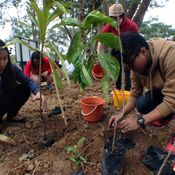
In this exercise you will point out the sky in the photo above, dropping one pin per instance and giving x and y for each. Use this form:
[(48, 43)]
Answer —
[(164, 15)]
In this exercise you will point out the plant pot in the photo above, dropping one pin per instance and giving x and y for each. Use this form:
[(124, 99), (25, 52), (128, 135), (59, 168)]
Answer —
[(92, 108), (97, 71), (118, 101)]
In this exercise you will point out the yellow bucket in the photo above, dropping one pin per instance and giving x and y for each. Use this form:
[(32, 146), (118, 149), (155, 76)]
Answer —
[(118, 103)]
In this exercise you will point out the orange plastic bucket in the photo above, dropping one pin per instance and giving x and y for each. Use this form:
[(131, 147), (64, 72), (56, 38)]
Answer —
[(97, 71), (92, 108), (118, 101)]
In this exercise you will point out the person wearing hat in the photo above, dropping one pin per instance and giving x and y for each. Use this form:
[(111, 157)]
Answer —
[(116, 11)]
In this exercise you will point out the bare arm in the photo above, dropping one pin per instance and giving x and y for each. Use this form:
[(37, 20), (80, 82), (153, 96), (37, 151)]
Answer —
[(130, 105), (152, 116)]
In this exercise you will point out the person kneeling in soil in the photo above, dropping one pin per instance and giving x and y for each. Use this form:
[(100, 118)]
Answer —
[(152, 65), (32, 68), (15, 88)]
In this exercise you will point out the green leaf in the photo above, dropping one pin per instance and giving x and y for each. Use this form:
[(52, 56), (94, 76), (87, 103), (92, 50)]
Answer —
[(41, 19), (95, 17), (82, 81), (76, 45), (76, 74), (61, 7), (70, 149), (50, 16), (110, 40), (17, 40), (110, 65), (70, 22), (86, 75), (56, 26), (105, 87), (54, 15), (73, 159), (55, 73), (47, 5), (90, 62), (78, 59), (24, 24), (82, 159), (81, 141), (33, 20), (59, 55)]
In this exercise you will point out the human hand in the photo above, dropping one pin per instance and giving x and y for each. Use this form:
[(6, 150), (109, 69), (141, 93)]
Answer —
[(43, 101), (128, 124), (44, 74), (114, 119)]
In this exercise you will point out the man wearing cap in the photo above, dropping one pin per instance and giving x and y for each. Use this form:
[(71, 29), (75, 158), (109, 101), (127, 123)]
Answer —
[(116, 11)]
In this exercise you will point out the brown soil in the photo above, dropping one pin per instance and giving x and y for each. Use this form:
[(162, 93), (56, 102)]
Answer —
[(26, 158)]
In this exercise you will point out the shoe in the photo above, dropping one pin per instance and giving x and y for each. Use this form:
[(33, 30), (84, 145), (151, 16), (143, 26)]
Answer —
[(170, 145), (16, 119), (50, 87), (161, 123), (164, 121), (55, 111)]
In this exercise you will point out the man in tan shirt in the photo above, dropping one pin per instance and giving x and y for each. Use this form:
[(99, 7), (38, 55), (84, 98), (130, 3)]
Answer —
[(152, 65)]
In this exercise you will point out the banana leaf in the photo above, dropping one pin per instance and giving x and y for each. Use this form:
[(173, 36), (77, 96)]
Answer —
[(95, 17), (109, 40), (110, 65)]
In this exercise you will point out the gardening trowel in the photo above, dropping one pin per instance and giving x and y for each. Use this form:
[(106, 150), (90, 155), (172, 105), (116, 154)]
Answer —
[(5, 139)]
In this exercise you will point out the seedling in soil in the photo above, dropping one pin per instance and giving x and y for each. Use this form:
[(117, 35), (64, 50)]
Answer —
[(115, 130), (75, 156)]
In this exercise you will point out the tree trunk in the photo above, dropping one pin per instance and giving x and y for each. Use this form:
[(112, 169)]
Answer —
[(138, 18), (132, 9)]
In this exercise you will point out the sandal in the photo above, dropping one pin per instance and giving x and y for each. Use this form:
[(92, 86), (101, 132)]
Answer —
[(16, 119)]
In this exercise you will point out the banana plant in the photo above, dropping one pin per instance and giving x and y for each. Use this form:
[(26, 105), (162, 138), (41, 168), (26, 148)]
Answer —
[(42, 17), (82, 49)]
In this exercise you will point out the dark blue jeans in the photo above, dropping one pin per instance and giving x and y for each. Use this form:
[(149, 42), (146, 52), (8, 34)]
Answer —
[(145, 103), (12, 102)]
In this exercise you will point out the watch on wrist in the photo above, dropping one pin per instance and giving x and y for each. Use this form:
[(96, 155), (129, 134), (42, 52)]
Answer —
[(141, 122)]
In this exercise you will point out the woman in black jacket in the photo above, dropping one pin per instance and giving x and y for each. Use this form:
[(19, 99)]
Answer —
[(15, 88)]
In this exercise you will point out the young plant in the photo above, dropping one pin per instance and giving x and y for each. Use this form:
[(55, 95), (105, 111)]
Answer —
[(82, 49), (42, 16), (74, 152)]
